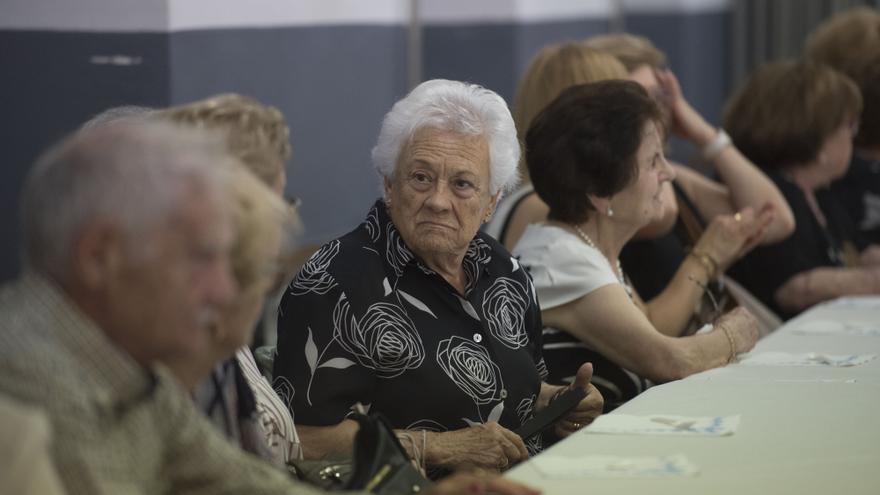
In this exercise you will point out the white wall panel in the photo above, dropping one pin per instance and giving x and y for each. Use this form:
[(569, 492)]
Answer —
[(204, 14), (84, 15)]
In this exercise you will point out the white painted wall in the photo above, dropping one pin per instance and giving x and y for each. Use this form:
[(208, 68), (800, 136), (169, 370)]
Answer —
[(84, 15), (201, 14), (177, 15)]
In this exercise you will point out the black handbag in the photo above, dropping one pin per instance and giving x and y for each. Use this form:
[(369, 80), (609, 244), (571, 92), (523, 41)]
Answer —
[(379, 464)]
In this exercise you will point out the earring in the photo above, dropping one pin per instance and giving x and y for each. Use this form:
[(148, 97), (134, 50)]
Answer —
[(609, 211), (388, 203), (488, 217)]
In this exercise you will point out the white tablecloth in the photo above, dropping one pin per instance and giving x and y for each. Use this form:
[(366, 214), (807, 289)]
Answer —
[(804, 430)]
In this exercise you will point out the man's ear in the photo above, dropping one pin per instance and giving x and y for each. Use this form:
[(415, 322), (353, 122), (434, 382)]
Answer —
[(97, 254)]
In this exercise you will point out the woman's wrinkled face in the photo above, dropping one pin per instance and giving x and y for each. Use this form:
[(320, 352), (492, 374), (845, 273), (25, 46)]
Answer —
[(440, 192), (639, 203)]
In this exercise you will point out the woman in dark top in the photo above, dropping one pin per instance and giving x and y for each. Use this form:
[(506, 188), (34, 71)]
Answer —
[(797, 119), (417, 315), (850, 42)]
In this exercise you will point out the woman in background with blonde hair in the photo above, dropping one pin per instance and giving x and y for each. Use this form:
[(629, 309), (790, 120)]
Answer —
[(553, 68), (258, 136)]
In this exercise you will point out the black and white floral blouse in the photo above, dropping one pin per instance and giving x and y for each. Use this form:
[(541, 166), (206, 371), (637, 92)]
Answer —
[(366, 322)]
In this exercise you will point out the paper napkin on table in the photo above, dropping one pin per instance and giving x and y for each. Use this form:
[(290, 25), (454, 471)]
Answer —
[(608, 466), (664, 424), (807, 359), (831, 327)]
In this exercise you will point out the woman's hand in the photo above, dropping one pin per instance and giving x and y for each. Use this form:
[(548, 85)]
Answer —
[(487, 446), (742, 328), (686, 121), (477, 483), (587, 410), (729, 237)]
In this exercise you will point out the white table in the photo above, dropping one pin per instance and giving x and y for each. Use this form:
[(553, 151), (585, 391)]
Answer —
[(804, 430)]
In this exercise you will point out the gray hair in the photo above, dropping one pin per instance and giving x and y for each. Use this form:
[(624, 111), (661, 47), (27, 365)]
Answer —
[(114, 115), (458, 107), (133, 174)]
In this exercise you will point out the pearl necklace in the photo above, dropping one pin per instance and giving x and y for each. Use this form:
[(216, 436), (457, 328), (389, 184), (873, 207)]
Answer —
[(592, 244)]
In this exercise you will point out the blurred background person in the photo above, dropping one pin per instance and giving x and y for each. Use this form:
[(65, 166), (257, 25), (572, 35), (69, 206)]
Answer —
[(850, 43), (234, 394), (797, 120)]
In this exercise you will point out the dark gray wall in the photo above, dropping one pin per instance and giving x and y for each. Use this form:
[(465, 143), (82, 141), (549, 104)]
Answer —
[(49, 87), (334, 85)]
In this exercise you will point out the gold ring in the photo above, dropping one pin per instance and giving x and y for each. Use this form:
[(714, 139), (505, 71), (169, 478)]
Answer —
[(738, 217)]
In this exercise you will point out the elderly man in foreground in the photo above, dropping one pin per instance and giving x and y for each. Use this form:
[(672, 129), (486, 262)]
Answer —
[(126, 263)]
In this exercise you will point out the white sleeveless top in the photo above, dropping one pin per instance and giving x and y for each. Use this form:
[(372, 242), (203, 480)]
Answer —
[(563, 267)]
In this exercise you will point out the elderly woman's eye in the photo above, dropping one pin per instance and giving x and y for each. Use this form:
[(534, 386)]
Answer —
[(421, 177), (464, 184)]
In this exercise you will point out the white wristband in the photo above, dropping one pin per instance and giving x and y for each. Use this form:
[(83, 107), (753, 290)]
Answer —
[(721, 141)]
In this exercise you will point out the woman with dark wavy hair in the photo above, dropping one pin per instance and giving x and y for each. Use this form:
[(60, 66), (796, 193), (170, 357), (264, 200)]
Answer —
[(595, 155), (418, 315)]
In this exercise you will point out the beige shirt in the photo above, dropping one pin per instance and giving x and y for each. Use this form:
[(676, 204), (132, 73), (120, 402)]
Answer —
[(25, 465), (118, 428)]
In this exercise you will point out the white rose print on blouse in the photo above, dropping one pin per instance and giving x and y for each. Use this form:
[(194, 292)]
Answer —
[(372, 224), (472, 370), (384, 340), (314, 277), (396, 252), (478, 253), (505, 305)]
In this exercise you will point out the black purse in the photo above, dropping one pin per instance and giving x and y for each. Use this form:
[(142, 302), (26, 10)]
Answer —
[(379, 464)]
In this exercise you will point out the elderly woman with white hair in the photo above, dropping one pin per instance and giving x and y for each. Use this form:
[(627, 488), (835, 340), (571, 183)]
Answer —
[(418, 315)]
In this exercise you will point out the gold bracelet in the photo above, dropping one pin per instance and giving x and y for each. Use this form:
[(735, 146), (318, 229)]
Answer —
[(730, 342), (707, 261)]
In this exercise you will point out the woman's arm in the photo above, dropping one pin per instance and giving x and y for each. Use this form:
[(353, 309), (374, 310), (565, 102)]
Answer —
[(671, 310), (821, 284), (487, 446), (725, 240), (870, 256), (743, 184), (609, 323)]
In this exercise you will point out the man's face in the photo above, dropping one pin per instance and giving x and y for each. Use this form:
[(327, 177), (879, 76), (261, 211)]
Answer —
[(174, 281)]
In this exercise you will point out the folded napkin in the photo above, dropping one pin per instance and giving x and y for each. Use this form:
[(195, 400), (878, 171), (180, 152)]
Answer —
[(831, 327), (808, 359), (608, 466), (662, 424)]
